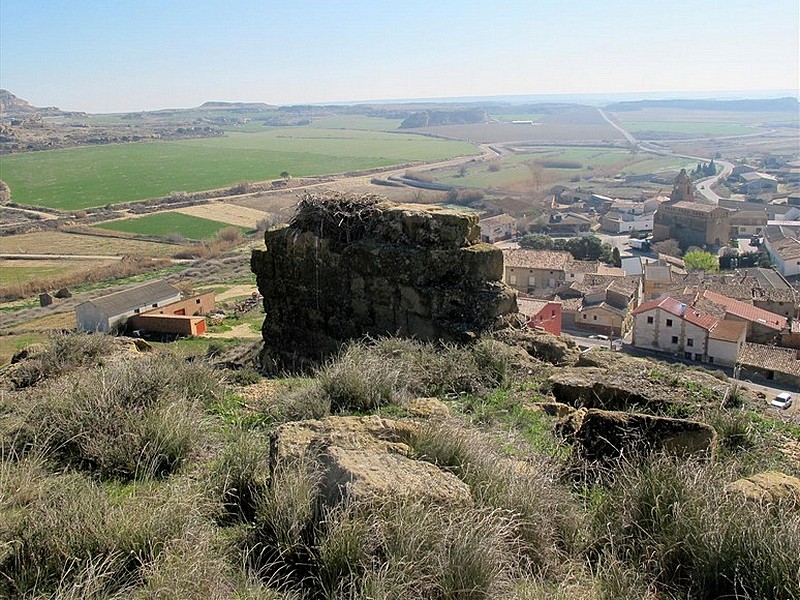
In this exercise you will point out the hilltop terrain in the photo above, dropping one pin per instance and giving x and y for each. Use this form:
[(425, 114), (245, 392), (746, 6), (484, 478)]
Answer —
[(127, 471)]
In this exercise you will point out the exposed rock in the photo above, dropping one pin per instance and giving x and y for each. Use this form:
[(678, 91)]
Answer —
[(365, 458), (427, 407), (603, 434), (29, 351), (617, 382), (769, 486), (362, 475), (349, 267), (543, 346)]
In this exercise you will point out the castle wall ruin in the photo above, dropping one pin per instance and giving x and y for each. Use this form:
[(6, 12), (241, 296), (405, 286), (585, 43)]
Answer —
[(349, 267)]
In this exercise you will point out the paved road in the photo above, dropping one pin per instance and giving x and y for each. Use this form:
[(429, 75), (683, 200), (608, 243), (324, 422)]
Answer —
[(703, 186)]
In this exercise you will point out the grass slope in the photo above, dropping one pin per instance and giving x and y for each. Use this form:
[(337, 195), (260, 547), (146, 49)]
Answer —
[(78, 178), (166, 223)]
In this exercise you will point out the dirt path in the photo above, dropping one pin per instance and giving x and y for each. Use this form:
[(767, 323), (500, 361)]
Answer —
[(241, 331)]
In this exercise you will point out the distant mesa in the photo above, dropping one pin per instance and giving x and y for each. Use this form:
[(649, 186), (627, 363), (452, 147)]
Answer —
[(13, 107), (254, 106), (772, 104)]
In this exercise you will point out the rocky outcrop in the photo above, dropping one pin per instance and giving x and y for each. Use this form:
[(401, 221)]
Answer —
[(365, 458), (603, 435), (769, 486), (542, 346), (611, 381), (353, 266)]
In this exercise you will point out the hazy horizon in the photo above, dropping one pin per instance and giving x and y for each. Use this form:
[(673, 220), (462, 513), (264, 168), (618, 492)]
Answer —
[(145, 55)]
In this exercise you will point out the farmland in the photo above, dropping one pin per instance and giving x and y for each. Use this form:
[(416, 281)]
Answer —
[(689, 127), (584, 161), (77, 178), (167, 223), (59, 242), (231, 214), (21, 271)]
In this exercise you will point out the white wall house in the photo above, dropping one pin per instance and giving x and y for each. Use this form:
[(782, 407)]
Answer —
[(667, 325), (106, 312), (783, 246)]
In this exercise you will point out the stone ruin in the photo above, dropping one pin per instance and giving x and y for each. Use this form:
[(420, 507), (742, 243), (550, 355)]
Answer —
[(353, 266)]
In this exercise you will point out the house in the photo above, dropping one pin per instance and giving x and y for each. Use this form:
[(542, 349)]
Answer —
[(725, 343), (107, 312), (535, 271), (762, 326), (692, 224), (184, 317), (606, 303), (626, 216), (754, 182), (780, 365), (496, 228), (569, 223), (748, 222), (656, 279), (541, 314), (783, 246), (668, 325)]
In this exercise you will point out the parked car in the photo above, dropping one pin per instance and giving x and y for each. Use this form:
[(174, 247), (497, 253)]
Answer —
[(782, 400)]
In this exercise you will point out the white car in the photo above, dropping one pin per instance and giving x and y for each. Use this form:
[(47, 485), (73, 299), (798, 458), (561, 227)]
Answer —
[(782, 400)]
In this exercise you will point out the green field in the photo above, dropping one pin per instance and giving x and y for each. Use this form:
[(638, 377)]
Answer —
[(688, 127), (515, 169), (167, 223), (77, 178)]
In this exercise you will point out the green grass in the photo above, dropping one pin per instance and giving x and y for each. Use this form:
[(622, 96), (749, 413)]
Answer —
[(689, 127), (356, 122), (16, 274), (76, 178), (514, 169), (166, 223)]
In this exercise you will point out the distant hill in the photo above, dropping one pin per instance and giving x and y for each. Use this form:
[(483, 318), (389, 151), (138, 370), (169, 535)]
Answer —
[(12, 106), (768, 105), (251, 106), (429, 118)]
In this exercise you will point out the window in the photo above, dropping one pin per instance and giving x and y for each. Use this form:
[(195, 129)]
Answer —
[(594, 317), (674, 339), (584, 315), (512, 279), (690, 341), (155, 305), (698, 357), (197, 301), (711, 359), (687, 355), (650, 320), (669, 322)]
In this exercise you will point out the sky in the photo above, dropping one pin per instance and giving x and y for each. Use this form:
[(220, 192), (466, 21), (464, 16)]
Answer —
[(127, 55)]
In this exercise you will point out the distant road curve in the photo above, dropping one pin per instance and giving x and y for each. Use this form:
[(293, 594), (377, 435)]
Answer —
[(703, 186)]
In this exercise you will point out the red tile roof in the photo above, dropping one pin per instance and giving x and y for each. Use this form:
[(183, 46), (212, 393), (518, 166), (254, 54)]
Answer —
[(747, 311), (688, 313)]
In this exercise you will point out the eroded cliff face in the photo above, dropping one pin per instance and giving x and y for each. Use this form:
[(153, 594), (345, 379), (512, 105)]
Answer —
[(353, 266)]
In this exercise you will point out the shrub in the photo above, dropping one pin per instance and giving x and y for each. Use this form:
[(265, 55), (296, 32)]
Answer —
[(285, 517), (240, 475), (71, 537), (545, 519), (136, 418), (674, 521), (63, 353), (360, 380), (416, 551)]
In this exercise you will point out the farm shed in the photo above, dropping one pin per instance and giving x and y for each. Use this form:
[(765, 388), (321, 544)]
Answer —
[(106, 312)]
